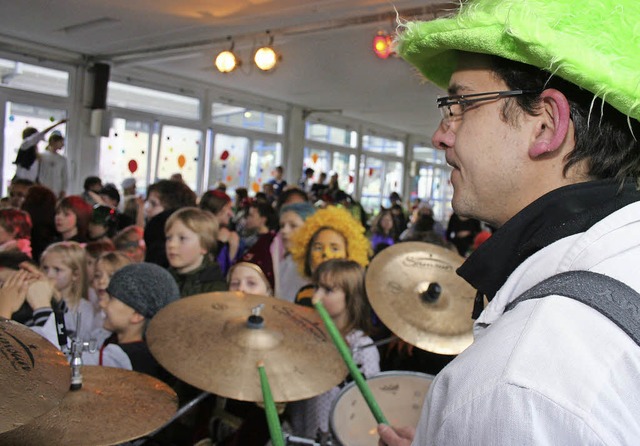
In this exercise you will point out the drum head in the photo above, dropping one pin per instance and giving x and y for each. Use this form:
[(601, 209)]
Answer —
[(400, 396)]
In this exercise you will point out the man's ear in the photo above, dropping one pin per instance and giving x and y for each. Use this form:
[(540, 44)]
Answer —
[(553, 123)]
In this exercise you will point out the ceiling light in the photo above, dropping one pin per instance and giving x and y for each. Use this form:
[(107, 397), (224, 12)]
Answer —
[(265, 57), (226, 61), (383, 45)]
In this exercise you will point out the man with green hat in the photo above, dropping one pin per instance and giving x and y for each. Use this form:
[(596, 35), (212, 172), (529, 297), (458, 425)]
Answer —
[(540, 127)]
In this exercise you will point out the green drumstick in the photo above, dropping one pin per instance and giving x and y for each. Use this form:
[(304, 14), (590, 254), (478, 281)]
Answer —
[(351, 365), (275, 431)]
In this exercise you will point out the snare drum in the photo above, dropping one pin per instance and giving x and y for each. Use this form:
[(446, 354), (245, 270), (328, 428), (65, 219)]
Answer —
[(400, 396)]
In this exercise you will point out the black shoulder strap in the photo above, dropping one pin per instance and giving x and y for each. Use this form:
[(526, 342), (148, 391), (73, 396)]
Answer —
[(614, 299)]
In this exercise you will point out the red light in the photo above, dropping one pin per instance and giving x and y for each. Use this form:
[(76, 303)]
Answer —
[(382, 45)]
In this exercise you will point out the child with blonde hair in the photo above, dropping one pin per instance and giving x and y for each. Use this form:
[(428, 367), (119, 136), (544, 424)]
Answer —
[(339, 285), (65, 265), (191, 235)]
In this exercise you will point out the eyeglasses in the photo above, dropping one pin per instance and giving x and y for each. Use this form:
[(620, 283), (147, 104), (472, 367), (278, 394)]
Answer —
[(454, 106)]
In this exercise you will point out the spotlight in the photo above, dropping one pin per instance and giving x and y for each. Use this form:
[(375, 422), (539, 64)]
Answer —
[(382, 45), (226, 61), (265, 57)]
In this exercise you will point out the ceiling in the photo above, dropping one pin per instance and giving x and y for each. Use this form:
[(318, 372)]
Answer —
[(327, 62)]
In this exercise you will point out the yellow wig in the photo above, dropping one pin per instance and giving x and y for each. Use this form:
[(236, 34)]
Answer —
[(341, 221)]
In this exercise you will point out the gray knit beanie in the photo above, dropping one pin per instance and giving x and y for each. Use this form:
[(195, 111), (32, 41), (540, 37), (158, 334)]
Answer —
[(145, 287)]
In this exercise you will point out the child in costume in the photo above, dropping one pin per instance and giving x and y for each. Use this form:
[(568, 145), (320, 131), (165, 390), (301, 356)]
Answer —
[(331, 233), (339, 285)]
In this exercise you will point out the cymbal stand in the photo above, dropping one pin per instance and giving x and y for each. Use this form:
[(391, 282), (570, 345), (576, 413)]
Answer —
[(78, 346)]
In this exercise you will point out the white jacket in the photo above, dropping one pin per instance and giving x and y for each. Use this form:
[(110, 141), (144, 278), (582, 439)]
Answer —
[(551, 371)]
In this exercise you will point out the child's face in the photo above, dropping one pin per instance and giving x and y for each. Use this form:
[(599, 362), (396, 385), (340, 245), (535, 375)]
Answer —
[(183, 248), (225, 214), (57, 271), (117, 315), (65, 221), (248, 280), (153, 205), (328, 244), (101, 279), (290, 222), (96, 230), (91, 267), (332, 297)]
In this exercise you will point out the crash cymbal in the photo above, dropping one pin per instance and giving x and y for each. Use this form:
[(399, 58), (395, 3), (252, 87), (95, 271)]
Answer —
[(205, 340), (34, 375), (113, 406), (414, 289)]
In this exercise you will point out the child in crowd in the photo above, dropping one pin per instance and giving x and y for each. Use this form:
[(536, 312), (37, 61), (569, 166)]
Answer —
[(130, 241), (93, 251), (40, 204), (228, 246), (27, 163), (339, 285), (72, 218), (383, 231), (191, 237), (253, 274), (65, 265), (15, 231), (102, 224), (106, 266), (331, 233)]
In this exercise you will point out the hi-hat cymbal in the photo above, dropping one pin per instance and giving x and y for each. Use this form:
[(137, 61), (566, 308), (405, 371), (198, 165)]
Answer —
[(34, 375), (113, 406), (205, 340), (414, 289)]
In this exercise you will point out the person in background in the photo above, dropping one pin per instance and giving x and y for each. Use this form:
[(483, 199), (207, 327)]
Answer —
[(163, 199), (339, 285), (461, 231), (92, 187), (540, 127), (40, 204), (27, 163), (129, 203), (15, 231), (261, 220), (18, 191), (93, 251), (228, 244), (191, 235), (318, 188), (306, 181), (278, 182), (330, 233), (102, 224), (72, 219), (383, 231), (130, 241), (54, 169)]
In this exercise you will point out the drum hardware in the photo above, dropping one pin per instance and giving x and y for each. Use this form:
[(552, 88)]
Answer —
[(34, 375), (415, 291), (113, 406), (300, 441), (236, 330), (379, 343)]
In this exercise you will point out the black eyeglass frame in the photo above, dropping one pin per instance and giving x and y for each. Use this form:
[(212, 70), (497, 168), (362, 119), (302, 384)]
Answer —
[(467, 99)]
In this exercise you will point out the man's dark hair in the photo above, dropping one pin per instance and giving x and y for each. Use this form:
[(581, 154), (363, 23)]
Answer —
[(604, 136), (266, 210), (22, 182), (173, 194), (91, 181)]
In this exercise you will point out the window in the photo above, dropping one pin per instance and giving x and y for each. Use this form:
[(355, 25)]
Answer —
[(265, 156), (377, 144), (229, 161), (429, 155), (153, 101), (379, 179), (179, 153), (242, 117), (24, 76), (316, 131), (125, 153)]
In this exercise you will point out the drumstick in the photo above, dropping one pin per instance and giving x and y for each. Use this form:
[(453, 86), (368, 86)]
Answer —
[(275, 431), (351, 365)]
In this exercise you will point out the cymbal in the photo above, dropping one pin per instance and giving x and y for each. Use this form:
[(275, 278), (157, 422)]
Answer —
[(113, 406), (205, 341), (34, 375), (414, 289)]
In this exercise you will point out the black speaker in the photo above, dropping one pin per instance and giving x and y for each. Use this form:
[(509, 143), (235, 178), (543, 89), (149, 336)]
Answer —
[(100, 82)]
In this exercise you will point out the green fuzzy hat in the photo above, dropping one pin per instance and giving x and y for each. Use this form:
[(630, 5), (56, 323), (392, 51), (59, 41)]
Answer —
[(594, 44)]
